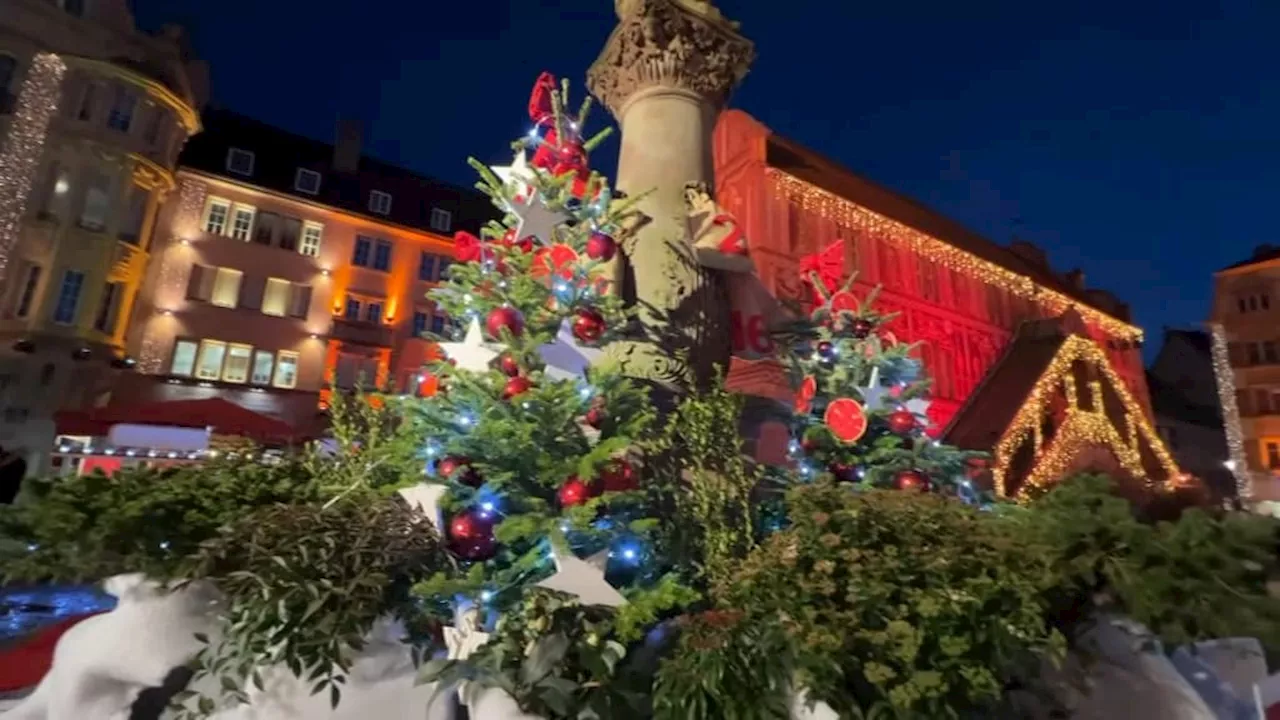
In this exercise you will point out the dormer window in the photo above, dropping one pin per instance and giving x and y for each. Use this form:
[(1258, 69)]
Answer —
[(441, 220), (307, 181), (380, 202), (240, 162)]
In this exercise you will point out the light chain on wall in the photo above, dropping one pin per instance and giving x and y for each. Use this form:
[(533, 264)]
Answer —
[(1230, 413), (173, 276), (20, 154)]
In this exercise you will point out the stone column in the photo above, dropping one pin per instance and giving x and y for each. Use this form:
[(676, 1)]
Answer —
[(665, 73)]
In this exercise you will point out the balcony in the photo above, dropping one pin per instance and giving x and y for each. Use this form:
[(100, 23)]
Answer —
[(128, 262), (361, 333)]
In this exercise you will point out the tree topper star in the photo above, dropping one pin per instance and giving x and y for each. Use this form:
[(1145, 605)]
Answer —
[(565, 358), (536, 219), (517, 177), (473, 353), (583, 579)]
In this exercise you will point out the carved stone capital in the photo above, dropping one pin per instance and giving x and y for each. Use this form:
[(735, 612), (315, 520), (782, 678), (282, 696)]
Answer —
[(685, 44)]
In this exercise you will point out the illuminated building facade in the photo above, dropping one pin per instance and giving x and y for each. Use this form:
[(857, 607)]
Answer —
[(1026, 362), (1244, 321), (285, 268), (93, 115)]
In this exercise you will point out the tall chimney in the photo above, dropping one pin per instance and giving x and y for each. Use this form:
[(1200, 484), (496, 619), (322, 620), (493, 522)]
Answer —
[(346, 146)]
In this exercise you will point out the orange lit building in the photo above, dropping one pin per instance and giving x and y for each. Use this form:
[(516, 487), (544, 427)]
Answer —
[(284, 268), (1028, 363)]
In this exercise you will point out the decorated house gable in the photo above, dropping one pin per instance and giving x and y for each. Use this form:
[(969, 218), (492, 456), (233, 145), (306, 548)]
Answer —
[(1053, 406)]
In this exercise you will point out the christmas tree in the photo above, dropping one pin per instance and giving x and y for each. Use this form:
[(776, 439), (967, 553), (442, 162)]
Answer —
[(529, 440)]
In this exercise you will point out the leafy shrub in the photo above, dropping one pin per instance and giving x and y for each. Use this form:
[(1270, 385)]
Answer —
[(304, 584), (724, 667), (920, 602), (1197, 578), (137, 520)]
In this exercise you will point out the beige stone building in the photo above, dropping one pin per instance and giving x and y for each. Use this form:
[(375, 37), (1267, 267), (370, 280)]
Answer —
[(93, 114)]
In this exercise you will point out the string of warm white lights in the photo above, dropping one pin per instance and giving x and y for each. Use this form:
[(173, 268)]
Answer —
[(851, 215), (1080, 427), (172, 278), (20, 157), (1237, 462)]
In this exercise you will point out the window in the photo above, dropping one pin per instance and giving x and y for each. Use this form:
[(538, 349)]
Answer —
[(311, 233), (8, 68), (263, 363), (209, 361), (64, 312), (236, 367), (380, 202), (275, 298), (226, 287), (364, 245), (53, 193), (299, 300), (105, 320), (1273, 455), (155, 121), (1240, 303), (286, 369), (131, 227), (1265, 300), (441, 220), (307, 181), (184, 358), (121, 115), (427, 267), (241, 222), (87, 101), (419, 323), (1255, 355), (373, 312), (1269, 352), (215, 216), (29, 284), (289, 231), (1253, 303), (352, 310), (437, 324), (382, 255), (442, 268), (264, 231), (240, 162), (97, 203)]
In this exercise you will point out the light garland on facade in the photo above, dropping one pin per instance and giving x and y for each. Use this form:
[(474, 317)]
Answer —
[(171, 281), (850, 214), (20, 157), (1081, 427), (1226, 382)]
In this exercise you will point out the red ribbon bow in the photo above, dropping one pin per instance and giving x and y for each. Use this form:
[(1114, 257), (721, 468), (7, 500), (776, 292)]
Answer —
[(828, 265), (556, 155), (466, 247)]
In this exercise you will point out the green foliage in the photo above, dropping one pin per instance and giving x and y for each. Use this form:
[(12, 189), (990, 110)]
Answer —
[(1194, 579), (304, 584), (138, 520), (555, 657), (726, 667), (917, 601)]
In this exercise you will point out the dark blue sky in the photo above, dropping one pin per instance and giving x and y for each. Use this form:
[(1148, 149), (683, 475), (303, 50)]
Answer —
[(1136, 139)]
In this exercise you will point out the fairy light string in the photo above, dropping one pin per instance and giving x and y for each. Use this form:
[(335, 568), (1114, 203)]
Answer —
[(1238, 461)]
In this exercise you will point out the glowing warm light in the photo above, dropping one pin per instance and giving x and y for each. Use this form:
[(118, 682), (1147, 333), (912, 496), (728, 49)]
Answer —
[(62, 186), (854, 216), (1222, 372)]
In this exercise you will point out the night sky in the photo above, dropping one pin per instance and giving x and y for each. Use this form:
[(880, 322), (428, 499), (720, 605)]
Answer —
[(1137, 140)]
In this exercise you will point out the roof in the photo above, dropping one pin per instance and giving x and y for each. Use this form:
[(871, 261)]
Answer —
[(819, 171), (1168, 401), (991, 407), (1261, 254), (223, 417), (278, 154), (1197, 339)]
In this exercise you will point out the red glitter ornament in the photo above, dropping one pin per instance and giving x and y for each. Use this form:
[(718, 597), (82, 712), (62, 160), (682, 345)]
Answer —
[(846, 420), (844, 472), (573, 492), (601, 246), (861, 328), (902, 421), (471, 535), (459, 469), (595, 417), (509, 365), (516, 386), (912, 480), (588, 325), (525, 244), (504, 318), (618, 476)]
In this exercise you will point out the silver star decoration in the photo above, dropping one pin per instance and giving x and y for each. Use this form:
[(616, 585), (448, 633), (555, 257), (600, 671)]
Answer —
[(473, 353), (583, 579), (517, 177), (565, 358), (426, 497), (874, 394), (537, 219)]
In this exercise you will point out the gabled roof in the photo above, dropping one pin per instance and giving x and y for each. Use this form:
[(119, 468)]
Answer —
[(1261, 254), (278, 154), (1197, 339), (1169, 401)]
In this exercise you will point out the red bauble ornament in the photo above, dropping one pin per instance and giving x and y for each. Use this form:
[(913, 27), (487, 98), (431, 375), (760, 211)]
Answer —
[(471, 535), (912, 480), (525, 244), (449, 465), (826, 350), (517, 385), (618, 476), (573, 492), (595, 417), (459, 469), (902, 421), (509, 365), (861, 328), (846, 420), (504, 318), (809, 444), (588, 325), (601, 246), (844, 472)]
